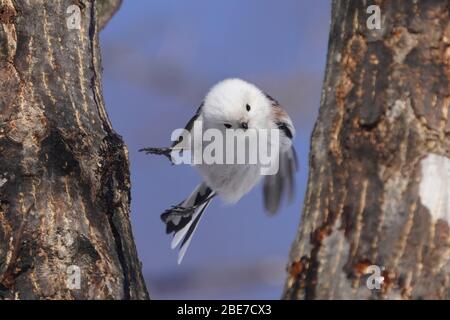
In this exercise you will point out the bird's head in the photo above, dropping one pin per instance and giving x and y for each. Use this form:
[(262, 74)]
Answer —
[(236, 104)]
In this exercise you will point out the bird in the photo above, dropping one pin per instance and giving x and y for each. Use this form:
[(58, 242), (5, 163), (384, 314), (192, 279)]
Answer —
[(240, 107)]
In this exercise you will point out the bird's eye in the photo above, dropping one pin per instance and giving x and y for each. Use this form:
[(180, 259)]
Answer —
[(227, 125), (248, 107)]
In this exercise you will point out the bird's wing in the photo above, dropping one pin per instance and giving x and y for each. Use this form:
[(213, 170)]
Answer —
[(283, 182), (282, 119), (188, 127)]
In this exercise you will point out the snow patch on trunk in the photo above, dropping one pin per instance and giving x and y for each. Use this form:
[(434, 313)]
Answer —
[(434, 188)]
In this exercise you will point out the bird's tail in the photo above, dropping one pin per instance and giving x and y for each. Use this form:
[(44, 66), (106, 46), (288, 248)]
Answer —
[(183, 223)]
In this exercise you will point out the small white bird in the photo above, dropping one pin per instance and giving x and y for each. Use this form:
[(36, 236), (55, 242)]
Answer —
[(232, 104)]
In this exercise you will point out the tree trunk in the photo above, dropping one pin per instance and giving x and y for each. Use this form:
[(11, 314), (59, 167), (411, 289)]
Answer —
[(379, 179), (64, 180)]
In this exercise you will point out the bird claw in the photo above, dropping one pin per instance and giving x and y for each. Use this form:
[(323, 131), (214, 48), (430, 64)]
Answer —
[(159, 151)]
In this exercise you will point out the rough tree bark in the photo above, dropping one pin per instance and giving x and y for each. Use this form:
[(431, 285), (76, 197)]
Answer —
[(64, 172), (379, 179)]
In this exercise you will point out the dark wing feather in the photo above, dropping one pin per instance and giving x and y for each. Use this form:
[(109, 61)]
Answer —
[(284, 181), (189, 125), (281, 183)]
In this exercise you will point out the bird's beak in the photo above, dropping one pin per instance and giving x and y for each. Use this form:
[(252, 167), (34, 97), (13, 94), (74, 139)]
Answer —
[(244, 125)]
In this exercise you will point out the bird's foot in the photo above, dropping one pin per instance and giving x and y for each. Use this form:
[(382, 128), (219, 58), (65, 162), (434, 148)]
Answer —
[(158, 151)]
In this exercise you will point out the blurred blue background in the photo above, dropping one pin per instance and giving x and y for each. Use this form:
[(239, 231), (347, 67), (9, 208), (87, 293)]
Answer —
[(160, 57)]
